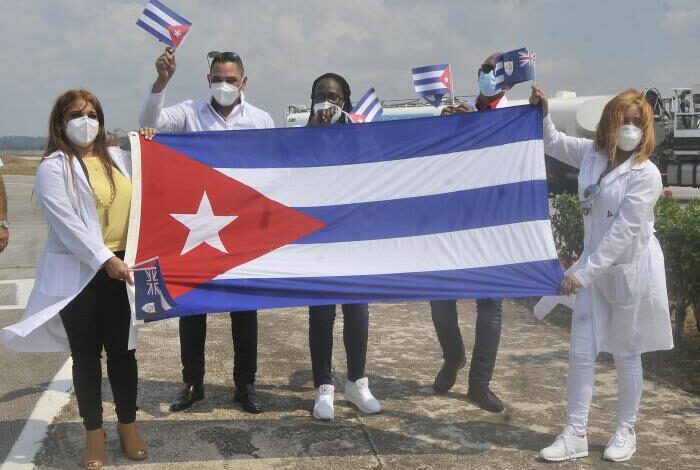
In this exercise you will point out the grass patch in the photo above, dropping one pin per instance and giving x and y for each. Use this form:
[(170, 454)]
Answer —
[(14, 165)]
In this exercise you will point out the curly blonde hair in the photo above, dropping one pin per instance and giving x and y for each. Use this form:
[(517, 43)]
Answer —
[(613, 118)]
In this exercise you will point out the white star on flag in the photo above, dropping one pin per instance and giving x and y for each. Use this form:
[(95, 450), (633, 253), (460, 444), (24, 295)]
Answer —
[(177, 33), (204, 226)]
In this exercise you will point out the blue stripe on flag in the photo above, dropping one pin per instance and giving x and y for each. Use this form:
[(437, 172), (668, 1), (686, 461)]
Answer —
[(428, 81), (161, 21), (169, 12), (429, 68), (155, 33), (475, 208), (511, 280), (373, 142)]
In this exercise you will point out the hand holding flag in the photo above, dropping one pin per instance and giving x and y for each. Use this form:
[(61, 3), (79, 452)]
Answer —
[(163, 23)]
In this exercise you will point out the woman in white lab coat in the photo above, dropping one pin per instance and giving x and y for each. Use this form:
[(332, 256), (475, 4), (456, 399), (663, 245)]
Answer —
[(621, 305), (79, 301)]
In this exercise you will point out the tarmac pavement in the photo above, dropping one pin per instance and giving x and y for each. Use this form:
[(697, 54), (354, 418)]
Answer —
[(416, 429)]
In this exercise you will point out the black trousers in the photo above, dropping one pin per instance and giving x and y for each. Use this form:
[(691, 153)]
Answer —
[(487, 336), (244, 332), (99, 317), (355, 330)]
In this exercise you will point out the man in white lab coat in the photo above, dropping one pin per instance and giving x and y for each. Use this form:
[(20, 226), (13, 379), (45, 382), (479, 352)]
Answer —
[(225, 109)]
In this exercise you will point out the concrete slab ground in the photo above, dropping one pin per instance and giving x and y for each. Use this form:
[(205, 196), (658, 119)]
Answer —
[(416, 429)]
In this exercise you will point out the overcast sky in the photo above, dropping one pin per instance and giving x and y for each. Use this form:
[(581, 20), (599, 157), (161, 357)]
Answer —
[(591, 47)]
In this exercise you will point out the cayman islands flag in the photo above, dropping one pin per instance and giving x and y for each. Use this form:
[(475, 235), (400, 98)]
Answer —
[(432, 82), (163, 23), (431, 208)]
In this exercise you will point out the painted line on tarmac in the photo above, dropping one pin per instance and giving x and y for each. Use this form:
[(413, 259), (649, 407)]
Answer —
[(23, 289), (52, 401)]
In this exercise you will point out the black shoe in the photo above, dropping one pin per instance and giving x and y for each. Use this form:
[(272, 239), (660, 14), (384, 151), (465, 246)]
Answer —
[(186, 397), (248, 398), (447, 376), (484, 398)]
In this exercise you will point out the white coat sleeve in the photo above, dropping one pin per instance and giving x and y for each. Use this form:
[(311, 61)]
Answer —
[(643, 190), (171, 119), (269, 123), (62, 218), (569, 150)]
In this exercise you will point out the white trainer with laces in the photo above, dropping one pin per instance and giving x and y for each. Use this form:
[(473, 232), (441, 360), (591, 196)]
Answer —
[(323, 402), (622, 445), (567, 446), (359, 395)]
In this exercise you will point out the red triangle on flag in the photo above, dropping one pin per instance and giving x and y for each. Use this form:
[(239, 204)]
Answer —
[(446, 78), (173, 183), (178, 33), (358, 118)]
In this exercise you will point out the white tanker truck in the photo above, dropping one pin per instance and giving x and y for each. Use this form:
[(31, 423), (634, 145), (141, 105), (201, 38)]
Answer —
[(677, 124)]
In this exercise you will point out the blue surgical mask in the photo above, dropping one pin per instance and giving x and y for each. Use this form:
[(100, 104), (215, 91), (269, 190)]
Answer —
[(487, 84)]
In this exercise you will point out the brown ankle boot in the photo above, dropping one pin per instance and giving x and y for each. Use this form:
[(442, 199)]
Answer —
[(132, 444), (94, 453)]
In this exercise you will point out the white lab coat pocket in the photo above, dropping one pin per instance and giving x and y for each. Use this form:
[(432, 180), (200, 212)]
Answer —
[(60, 275), (619, 283)]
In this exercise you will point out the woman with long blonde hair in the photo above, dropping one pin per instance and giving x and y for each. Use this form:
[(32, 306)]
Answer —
[(79, 301), (621, 304)]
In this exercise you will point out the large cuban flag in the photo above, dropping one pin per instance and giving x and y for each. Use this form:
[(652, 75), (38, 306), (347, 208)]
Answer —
[(431, 208)]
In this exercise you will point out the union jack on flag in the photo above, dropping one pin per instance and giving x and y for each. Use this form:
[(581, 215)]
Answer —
[(527, 57), (152, 281)]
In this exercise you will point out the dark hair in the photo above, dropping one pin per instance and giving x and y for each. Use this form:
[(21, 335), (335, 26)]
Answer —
[(347, 105), (57, 137), (217, 56)]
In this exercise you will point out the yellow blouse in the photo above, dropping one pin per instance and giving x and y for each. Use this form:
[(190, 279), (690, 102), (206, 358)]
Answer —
[(112, 205)]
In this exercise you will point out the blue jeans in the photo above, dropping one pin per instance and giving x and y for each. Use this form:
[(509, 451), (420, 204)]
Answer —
[(487, 336)]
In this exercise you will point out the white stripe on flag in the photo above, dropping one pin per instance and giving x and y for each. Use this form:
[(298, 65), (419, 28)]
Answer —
[(162, 15), (155, 25), (424, 75), (431, 86), (397, 179), (487, 246), (500, 78), (499, 66), (373, 112), (368, 102)]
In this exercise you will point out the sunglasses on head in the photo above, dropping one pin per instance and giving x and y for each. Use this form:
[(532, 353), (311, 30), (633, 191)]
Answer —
[(213, 56), (486, 68)]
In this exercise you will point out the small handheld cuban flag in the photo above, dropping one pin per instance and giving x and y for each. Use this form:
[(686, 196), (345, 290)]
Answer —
[(368, 109), (152, 299), (515, 67), (163, 23), (432, 82)]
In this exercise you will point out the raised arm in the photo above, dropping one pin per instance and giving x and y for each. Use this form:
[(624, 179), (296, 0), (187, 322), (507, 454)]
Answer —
[(153, 114), (569, 150)]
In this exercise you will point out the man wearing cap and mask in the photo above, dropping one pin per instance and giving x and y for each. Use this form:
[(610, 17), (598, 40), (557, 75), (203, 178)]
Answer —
[(488, 311), (226, 109)]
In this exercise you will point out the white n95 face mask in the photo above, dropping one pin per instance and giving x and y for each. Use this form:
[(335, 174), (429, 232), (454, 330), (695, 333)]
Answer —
[(327, 105), (629, 137), (224, 93), (82, 131)]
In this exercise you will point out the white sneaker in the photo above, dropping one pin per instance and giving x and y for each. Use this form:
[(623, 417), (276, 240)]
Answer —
[(567, 446), (323, 402), (622, 445), (359, 395)]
